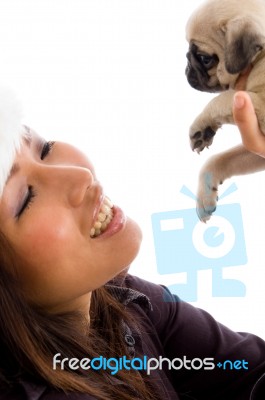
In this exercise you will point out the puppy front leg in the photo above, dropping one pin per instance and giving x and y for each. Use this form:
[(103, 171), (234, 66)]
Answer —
[(217, 112), (236, 161)]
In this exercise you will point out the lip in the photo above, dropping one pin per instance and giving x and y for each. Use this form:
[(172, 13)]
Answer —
[(116, 224)]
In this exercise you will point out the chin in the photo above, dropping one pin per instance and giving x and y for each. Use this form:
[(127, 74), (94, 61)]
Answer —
[(127, 246), (132, 240)]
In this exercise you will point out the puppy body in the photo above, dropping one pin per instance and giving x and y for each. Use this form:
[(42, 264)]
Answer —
[(226, 38)]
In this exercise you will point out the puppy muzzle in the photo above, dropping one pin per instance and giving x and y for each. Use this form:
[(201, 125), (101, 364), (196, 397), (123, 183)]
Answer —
[(198, 77)]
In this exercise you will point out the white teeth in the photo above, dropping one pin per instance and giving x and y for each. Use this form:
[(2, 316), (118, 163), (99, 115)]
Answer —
[(97, 225), (105, 209), (104, 226), (101, 217), (108, 202), (92, 232), (104, 217)]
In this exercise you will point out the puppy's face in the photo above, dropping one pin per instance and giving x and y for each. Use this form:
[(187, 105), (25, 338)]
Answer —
[(201, 70), (225, 37)]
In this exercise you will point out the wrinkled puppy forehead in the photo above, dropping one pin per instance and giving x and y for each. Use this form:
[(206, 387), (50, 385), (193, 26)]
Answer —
[(202, 48), (201, 21), (209, 18), (204, 31), (213, 15), (205, 26)]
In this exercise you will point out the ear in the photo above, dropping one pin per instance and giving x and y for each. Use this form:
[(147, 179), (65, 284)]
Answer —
[(243, 40)]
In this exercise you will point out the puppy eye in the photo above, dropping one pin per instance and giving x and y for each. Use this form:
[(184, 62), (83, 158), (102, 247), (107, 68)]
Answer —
[(206, 60)]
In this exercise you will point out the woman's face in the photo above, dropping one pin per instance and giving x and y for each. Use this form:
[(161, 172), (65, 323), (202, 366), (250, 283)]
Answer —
[(67, 237)]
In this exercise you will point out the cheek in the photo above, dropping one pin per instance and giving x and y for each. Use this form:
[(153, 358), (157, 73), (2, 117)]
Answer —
[(45, 245), (48, 251), (46, 236)]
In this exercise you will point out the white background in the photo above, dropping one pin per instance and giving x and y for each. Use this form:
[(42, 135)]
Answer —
[(108, 76)]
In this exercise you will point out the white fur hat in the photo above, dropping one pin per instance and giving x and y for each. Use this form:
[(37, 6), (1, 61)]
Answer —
[(10, 132)]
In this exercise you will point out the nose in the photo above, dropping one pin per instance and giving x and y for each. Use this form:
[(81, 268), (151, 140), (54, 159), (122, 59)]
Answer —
[(70, 183)]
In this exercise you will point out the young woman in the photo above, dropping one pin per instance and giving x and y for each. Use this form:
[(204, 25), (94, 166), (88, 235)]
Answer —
[(74, 324)]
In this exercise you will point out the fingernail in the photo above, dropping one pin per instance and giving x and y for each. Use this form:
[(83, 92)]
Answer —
[(239, 101)]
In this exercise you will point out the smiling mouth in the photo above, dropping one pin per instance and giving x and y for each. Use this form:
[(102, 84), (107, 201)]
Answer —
[(104, 217)]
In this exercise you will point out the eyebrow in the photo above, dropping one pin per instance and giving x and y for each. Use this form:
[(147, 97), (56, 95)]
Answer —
[(15, 167)]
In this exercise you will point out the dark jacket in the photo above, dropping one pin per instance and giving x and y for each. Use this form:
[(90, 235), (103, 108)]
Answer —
[(176, 330)]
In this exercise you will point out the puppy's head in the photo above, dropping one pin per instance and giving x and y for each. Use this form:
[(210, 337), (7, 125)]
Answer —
[(225, 37)]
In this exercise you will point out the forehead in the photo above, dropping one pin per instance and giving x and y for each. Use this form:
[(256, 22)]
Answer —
[(8, 150), (26, 140), (11, 166), (13, 187)]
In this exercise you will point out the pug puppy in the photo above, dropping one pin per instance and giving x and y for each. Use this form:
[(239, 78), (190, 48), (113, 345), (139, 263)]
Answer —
[(226, 39)]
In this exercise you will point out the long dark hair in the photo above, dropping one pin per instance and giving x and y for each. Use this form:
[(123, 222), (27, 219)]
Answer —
[(30, 337)]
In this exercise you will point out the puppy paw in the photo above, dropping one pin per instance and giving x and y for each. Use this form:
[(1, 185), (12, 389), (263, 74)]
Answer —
[(199, 139), (207, 196)]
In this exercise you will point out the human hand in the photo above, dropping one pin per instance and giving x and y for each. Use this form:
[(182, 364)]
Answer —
[(245, 118)]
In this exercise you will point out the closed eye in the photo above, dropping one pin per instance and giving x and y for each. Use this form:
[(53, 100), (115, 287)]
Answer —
[(46, 149), (27, 201)]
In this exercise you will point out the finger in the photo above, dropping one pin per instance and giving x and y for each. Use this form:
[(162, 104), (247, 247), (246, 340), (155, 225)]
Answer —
[(242, 80), (246, 120)]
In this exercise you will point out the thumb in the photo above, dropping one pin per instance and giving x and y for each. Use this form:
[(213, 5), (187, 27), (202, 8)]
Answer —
[(245, 118)]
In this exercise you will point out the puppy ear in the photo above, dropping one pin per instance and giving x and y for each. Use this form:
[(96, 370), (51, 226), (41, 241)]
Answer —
[(243, 40)]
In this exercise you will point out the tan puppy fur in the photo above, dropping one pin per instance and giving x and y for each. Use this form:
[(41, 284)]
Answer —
[(226, 39)]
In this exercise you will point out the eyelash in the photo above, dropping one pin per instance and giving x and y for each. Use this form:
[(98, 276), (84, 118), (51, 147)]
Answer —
[(27, 202), (31, 192), (46, 149)]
